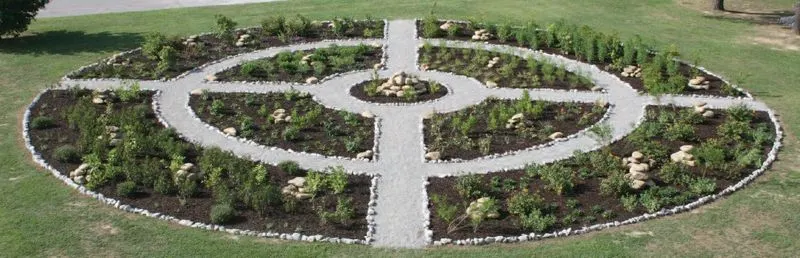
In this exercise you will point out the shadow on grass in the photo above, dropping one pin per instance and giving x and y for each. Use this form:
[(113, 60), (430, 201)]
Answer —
[(767, 18), (63, 42)]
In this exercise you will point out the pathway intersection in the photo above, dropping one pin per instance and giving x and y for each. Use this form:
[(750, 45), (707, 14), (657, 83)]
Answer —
[(401, 218)]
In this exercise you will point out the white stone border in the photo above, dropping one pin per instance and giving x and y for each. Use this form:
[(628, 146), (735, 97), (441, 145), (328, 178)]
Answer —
[(771, 157), (37, 157)]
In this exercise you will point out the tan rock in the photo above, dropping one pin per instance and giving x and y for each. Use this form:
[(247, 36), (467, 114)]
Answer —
[(364, 155), (297, 181), (230, 131), (367, 114), (434, 155), (556, 135), (312, 80)]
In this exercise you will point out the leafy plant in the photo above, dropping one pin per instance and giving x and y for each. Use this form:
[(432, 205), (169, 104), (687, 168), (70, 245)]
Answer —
[(537, 221), (315, 182), (337, 180), (342, 215), (470, 186), (430, 27), (42, 122), (152, 45), (224, 26), (274, 25), (703, 186), (290, 167), (629, 202), (291, 133), (523, 203), (127, 188), (222, 213), (444, 210), (488, 206), (67, 154)]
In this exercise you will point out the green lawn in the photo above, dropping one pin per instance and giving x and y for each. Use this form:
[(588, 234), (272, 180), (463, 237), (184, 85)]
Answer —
[(39, 216)]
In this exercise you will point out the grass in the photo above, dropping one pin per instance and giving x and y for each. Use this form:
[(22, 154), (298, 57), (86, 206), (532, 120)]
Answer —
[(42, 217)]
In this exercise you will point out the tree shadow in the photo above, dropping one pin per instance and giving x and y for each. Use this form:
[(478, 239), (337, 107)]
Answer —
[(63, 42), (761, 18)]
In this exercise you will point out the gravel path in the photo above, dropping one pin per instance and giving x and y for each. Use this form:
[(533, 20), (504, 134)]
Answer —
[(401, 213)]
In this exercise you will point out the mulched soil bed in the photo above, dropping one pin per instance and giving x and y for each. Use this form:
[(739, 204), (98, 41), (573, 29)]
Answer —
[(716, 84), (359, 92), (56, 103), (214, 48), (586, 191), (504, 140), (519, 77), (367, 61), (314, 138)]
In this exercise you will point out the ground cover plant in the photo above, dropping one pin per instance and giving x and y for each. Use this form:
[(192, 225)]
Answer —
[(501, 70), (496, 126), (640, 65), (118, 148), (648, 170), (289, 120), (305, 66), (400, 88), (162, 56)]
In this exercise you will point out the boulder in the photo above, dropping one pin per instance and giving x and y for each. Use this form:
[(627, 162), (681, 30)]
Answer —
[(637, 155), (434, 155), (637, 184), (364, 155), (98, 100), (377, 66), (687, 148), (230, 131)]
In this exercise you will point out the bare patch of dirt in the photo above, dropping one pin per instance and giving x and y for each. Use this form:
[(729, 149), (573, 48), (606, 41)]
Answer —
[(103, 229), (774, 37)]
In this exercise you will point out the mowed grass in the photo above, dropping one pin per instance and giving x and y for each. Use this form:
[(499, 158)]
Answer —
[(39, 216)]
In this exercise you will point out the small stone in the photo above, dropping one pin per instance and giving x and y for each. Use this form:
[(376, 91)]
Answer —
[(424, 67), (400, 94), (556, 135), (446, 25), (708, 114), (697, 80), (289, 190), (79, 180), (639, 168), (211, 78), (637, 155), (311, 80), (637, 184), (303, 196), (230, 131), (97, 100), (364, 155), (491, 84), (687, 148), (434, 155), (699, 104), (297, 181), (367, 114), (187, 166), (597, 88), (699, 110), (196, 92), (517, 117), (239, 44), (377, 66), (395, 88)]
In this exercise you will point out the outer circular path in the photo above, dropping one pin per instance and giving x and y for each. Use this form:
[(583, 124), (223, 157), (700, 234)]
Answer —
[(401, 218)]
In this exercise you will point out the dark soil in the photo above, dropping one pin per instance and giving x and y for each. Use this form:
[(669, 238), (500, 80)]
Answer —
[(586, 192), (520, 77), (213, 48), (364, 62), (313, 138), (304, 219), (359, 92), (504, 140), (717, 86)]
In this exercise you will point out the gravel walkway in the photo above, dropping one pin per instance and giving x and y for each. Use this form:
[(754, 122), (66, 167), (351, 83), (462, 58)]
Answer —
[(401, 213)]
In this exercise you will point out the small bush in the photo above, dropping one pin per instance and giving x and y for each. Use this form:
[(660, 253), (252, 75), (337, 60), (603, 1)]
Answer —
[(291, 133), (153, 43), (703, 186), (127, 188), (680, 131), (42, 122), (430, 27), (536, 221), (273, 26), (445, 210), (337, 180), (315, 182), (524, 203), (290, 167), (168, 57), (470, 186), (222, 213), (67, 154), (224, 26), (629, 202), (740, 112), (343, 214)]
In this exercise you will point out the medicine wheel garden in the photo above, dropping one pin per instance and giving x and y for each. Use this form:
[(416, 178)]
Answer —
[(401, 133)]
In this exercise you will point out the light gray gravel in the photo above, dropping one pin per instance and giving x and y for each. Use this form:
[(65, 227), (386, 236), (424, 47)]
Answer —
[(401, 213)]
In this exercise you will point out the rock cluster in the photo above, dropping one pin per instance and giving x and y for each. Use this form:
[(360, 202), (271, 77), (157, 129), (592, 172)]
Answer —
[(296, 188), (699, 83), (81, 174), (113, 134), (638, 171), (400, 84), (515, 121), (191, 41), (482, 34), (683, 156), (433, 155), (279, 115), (243, 40), (632, 71), (477, 211), (493, 62), (99, 97), (118, 59), (701, 108), (187, 171)]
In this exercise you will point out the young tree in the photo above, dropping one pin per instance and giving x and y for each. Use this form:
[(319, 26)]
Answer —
[(718, 5), (16, 15)]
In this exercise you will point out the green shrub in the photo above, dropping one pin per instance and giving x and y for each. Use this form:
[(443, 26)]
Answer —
[(616, 184), (217, 107), (273, 26), (710, 154), (524, 203), (222, 213), (558, 178), (42, 122), (734, 130), (703, 186), (187, 189), (352, 144), (673, 173), (741, 113), (291, 133), (505, 32), (650, 200), (152, 45), (224, 26), (680, 131), (290, 167), (168, 57), (127, 188), (536, 221), (470, 186), (629, 202), (343, 214), (444, 210), (315, 182), (337, 180), (67, 154), (430, 27)]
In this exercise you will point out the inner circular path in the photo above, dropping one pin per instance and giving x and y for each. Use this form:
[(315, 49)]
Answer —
[(401, 218)]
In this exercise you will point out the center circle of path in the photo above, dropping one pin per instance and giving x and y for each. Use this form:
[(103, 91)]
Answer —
[(401, 213)]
